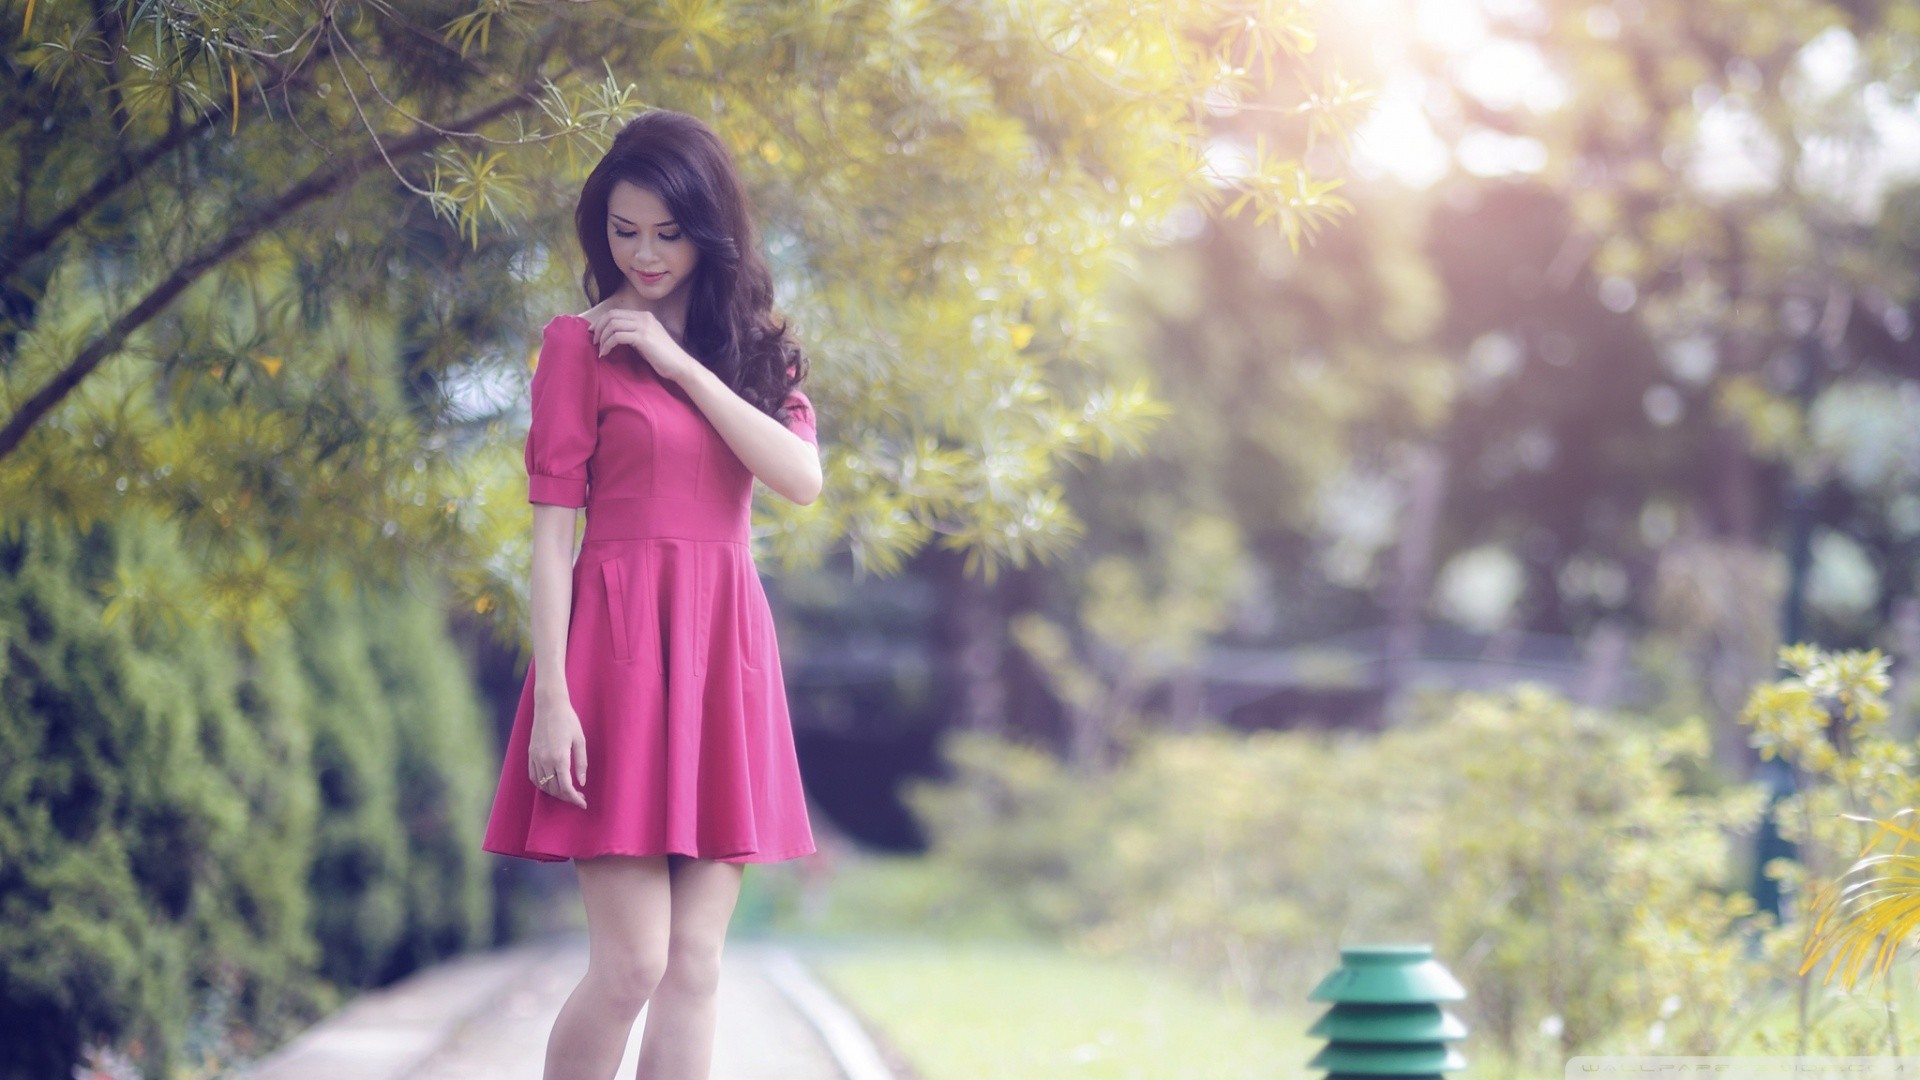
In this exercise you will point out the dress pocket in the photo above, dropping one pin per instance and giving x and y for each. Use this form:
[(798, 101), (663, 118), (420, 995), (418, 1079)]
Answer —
[(754, 623), (749, 645), (703, 600), (614, 576)]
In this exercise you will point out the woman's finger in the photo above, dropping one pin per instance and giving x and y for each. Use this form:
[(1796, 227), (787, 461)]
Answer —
[(620, 337)]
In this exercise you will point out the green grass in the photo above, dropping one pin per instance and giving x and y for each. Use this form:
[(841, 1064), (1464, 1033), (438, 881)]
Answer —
[(960, 1010), (1013, 1010), (961, 991), (869, 894)]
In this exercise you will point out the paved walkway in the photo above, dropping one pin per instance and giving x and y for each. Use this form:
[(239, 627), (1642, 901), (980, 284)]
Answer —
[(487, 1018)]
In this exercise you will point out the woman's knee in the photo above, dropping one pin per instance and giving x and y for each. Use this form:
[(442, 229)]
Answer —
[(693, 965), (629, 975)]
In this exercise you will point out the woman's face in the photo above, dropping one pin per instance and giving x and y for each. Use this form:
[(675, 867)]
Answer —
[(647, 244)]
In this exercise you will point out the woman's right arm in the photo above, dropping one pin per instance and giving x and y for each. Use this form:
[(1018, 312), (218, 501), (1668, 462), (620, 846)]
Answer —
[(560, 444), (551, 593), (557, 747)]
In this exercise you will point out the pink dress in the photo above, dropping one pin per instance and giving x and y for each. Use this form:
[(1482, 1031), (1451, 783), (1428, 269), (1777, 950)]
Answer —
[(672, 663)]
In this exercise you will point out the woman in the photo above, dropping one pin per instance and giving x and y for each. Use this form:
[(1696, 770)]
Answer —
[(663, 761)]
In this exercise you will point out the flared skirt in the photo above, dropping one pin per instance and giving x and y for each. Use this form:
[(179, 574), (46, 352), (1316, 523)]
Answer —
[(673, 667)]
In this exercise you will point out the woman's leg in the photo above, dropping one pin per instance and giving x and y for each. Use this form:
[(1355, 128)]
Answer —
[(678, 1041), (627, 899)]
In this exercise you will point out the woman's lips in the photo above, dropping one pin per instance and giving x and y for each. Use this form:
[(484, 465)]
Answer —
[(651, 278)]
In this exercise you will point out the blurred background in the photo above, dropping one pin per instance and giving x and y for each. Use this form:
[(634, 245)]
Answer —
[(1297, 475)]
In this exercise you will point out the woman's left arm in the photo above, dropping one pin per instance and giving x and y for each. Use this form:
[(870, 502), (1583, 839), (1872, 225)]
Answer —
[(784, 461)]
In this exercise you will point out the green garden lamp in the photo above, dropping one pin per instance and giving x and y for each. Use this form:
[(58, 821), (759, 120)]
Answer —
[(1386, 1019)]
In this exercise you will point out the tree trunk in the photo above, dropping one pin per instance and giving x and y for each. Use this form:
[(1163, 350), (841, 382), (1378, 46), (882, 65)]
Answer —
[(972, 639), (1413, 569)]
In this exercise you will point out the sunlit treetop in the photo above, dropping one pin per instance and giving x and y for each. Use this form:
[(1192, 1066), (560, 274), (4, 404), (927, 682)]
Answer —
[(304, 218)]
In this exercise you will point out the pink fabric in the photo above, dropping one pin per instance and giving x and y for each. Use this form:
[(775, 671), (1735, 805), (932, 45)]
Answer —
[(672, 661)]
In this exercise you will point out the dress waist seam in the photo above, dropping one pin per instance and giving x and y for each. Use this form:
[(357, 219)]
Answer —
[(648, 539), (664, 518)]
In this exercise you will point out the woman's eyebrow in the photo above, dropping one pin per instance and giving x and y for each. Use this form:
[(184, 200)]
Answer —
[(624, 221)]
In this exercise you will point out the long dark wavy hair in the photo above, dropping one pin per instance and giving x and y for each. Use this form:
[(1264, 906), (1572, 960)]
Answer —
[(730, 323)]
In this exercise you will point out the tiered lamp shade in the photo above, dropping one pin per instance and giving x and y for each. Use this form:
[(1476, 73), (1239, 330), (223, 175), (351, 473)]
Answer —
[(1386, 1019)]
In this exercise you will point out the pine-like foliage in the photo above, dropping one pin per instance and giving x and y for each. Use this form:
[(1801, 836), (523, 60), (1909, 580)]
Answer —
[(197, 834)]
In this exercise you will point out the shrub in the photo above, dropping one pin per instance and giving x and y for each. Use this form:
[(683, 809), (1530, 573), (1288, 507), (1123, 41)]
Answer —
[(198, 833), (1829, 720), (151, 829), (1551, 853)]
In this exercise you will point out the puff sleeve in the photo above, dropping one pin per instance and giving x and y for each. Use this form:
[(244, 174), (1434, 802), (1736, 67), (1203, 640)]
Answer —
[(800, 419), (565, 425)]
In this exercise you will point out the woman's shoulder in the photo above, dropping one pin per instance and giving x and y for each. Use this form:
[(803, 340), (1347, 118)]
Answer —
[(569, 327), (568, 340)]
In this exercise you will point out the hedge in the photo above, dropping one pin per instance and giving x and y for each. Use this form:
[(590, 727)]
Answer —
[(206, 842)]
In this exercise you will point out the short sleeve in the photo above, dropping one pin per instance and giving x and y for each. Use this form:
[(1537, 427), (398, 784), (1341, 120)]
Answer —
[(565, 424), (800, 418)]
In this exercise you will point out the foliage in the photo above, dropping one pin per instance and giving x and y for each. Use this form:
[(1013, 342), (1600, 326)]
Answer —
[(172, 822), (1583, 887), (265, 253), (1699, 291), (153, 825), (1879, 909), (1296, 383), (1137, 634), (1549, 852), (1828, 718), (396, 872), (1714, 606)]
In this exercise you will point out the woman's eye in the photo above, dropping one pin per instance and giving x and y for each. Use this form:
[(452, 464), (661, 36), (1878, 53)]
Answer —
[(664, 236), (622, 235)]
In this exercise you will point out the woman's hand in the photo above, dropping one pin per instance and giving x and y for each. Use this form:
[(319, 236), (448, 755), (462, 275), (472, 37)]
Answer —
[(648, 336), (557, 751)]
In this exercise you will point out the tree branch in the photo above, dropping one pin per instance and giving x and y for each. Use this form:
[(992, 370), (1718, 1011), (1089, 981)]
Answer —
[(114, 34), (125, 168), (28, 243), (318, 184)]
